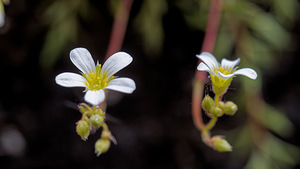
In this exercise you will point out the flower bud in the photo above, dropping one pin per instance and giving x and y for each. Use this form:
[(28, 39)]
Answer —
[(99, 111), (221, 104), (208, 103), (230, 108), (84, 108), (220, 144), (210, 115), (217, 111), (97, 120), (101, 146), (83, 129)]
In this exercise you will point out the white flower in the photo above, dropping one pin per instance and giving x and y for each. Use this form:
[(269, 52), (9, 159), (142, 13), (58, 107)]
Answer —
[(96, 79), (227, 68), (221, 74)]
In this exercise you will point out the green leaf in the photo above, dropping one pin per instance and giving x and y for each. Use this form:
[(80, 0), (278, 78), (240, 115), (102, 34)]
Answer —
[(257, 161), (286, 11), (149, 24), (261, 23), (282, 153), (57, 40), (194, 12), (276, 121)]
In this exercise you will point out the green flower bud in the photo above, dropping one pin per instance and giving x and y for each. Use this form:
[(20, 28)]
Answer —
[(84, 108), (83, 129), (99, 111), (217, 111), (208, 103), (220, 144), (210, 115), (97, 120), (101, 146), (230, 108), (221, 105)]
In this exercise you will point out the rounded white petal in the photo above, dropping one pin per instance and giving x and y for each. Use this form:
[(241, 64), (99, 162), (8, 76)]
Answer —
[(125, 85), (70, 80), (203, 67), (94, 97), (227, 64), (82, 59), (225, 76), (209, 60), (246, 72), (116, 62)]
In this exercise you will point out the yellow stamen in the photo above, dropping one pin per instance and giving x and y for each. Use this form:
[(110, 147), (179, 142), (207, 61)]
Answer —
[(223, 70), (97, 80)]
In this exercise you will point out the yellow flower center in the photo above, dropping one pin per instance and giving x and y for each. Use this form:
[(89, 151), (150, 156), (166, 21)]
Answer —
[(97, 80), (222, 70)]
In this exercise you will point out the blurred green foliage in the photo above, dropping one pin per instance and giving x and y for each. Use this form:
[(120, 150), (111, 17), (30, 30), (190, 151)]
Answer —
[(63, 20), (148, 23)]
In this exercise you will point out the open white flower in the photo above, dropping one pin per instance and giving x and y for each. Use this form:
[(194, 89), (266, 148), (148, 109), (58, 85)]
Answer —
[(227, 68), (222, 74), (96, 79)]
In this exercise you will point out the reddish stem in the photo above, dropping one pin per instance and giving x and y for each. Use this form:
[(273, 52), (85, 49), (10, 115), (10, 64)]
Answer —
[(208, 45), (196, 100), (119, 27)]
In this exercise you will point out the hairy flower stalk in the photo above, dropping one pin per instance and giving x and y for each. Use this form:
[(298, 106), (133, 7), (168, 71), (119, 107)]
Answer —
[(95, 78)]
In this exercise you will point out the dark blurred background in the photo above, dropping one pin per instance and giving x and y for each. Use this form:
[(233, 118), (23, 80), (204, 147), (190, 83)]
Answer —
[(153, 126)]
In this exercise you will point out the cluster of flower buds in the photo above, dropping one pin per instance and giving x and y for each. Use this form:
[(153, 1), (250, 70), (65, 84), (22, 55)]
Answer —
[(91, 117), (217, 110)]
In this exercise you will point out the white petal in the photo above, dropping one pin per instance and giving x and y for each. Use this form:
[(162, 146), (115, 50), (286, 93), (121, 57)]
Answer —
[(227, 64), (225, 76), (246, 72), (116, 62), (70, 80), (203, 67), (82, 59), (2, 21), (124, 85), (94, 97), (209, 60)]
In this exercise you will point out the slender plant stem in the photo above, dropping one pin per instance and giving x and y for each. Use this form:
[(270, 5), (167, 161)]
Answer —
[(119, 27), (200, 76), (196, 100), (217, 97), (206, 137), (105, 127), (211, 123)]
